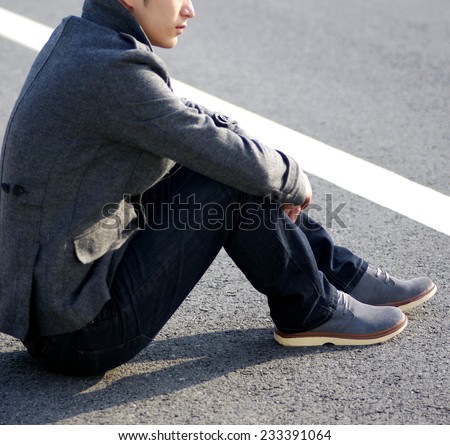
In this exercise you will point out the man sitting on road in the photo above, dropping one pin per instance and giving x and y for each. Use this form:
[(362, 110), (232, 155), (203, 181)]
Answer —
[(104, 172)]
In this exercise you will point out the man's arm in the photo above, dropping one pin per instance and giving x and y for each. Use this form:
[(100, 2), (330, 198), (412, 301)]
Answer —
[(220, 119), (140, 110), (291, 210)]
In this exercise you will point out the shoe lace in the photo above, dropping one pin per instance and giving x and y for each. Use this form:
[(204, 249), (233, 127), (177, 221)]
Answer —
[(382, 272), (343, 300)]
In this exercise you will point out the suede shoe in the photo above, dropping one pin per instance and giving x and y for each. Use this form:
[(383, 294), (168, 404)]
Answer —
[(352, 324), (378, 288)]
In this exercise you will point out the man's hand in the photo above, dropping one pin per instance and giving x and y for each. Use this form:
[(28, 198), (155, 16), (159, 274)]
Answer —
[(291, 210)]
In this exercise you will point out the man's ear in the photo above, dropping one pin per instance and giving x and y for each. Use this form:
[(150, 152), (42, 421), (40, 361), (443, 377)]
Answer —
[(129, 4)]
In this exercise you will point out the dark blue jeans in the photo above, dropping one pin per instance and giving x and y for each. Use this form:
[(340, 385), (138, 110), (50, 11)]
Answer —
[(189, 219)]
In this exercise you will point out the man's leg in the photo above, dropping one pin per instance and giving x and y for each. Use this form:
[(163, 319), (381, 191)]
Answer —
[(190, 218), (272, 252), (351, 274), (341, 266)]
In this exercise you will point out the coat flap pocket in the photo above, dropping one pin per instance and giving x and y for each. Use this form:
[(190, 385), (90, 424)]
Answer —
[(104, 237), (94, 245)]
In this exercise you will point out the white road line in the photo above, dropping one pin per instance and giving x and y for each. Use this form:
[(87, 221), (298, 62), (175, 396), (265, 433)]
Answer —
[(360, 177), (24, 31)]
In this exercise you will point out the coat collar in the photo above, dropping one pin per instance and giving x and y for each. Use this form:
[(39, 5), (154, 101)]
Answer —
[(111, 14)]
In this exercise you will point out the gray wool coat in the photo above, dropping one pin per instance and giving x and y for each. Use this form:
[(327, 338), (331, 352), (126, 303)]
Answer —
[(96, 125)]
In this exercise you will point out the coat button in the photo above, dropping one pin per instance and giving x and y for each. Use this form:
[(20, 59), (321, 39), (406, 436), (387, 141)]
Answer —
[(18, 190), (6, 188), (221, 120)]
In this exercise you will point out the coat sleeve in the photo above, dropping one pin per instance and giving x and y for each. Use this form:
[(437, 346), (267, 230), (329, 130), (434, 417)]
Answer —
[(139, 109), (219, 119)]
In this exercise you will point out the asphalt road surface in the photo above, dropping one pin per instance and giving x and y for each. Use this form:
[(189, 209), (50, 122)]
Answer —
[(370, 78)]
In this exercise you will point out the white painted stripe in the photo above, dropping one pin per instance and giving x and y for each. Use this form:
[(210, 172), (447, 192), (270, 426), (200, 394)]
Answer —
[(21, 30), (360, 177)]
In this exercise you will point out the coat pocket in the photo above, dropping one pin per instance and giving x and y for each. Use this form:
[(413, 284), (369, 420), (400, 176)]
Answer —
[(107, 234)]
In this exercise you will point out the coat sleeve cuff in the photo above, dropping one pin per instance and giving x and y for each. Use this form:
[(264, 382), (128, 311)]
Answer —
[(294, 190)]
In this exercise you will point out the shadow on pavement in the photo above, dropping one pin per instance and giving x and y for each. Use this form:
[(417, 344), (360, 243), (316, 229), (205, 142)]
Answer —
[(30, 395)]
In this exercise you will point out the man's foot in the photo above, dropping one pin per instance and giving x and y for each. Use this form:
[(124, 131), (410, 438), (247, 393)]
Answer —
[(378, 288), (352, 324)]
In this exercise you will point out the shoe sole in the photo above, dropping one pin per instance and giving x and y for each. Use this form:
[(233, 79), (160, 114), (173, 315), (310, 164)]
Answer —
[(320, 339), (407, 305)]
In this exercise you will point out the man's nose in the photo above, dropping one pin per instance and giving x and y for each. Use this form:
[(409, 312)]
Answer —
[(188, 9)]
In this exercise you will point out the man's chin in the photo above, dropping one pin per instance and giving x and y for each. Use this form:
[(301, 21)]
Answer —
[(166, 45)]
